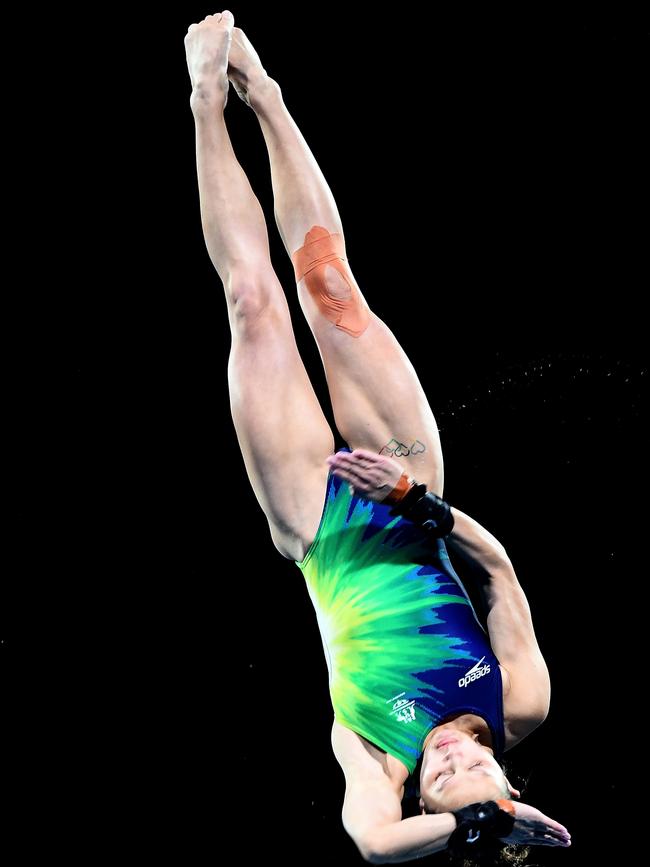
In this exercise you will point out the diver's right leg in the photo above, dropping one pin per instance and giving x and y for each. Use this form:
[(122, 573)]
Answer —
[(282, 432)]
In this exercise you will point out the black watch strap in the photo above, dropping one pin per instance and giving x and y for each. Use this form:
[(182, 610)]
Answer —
[(480, 827), (426, 509)]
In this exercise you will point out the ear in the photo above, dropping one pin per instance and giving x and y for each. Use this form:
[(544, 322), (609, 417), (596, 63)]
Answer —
[(514, 793), (422, 808)]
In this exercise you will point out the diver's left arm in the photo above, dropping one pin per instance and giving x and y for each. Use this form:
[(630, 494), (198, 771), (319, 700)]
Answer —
[(476, 544), (510, 626), (509, 622)]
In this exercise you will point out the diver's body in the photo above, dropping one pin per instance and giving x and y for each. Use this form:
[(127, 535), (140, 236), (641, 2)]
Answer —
[(380, 411)]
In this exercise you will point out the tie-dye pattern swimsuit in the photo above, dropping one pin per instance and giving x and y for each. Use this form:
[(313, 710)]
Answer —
[(404, 647)]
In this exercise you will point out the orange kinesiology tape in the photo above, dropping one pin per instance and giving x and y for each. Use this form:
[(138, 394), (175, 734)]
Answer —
[(321, 249)]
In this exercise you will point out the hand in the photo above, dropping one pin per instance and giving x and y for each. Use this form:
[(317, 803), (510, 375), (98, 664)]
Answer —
[(533, 828), (369, 475)]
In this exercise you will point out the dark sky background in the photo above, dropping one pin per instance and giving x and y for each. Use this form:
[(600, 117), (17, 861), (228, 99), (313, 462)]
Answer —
[(488, 173)]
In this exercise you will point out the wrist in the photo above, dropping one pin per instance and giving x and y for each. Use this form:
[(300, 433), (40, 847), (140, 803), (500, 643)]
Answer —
[(413, 501), (481, 827), (403, 487)]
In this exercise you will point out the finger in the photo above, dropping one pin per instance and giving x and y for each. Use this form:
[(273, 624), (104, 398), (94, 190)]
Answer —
[(542, 829), (374, 478), (546, 843), (556, 838), (551, 823), (348, 476), (360, 486), (362, 463), (362, 473), (344, 474), (383, 467), (356, 461), (532, 839), (546, 834), (552, 841), (539, 833), (368, 455)]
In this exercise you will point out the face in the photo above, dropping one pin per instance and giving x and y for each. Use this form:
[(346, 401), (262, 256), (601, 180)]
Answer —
[(456, 771)]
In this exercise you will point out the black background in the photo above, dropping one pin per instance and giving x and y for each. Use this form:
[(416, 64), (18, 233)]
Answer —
[(489, 176)]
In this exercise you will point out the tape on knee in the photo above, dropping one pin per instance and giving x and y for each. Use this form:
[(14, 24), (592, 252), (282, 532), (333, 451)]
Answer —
[(321, 250)]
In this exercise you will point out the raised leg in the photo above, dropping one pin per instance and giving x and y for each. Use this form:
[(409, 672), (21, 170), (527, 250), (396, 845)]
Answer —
[(283, 434), (377, 399)]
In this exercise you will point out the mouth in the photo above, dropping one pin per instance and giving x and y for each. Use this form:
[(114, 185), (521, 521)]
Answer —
[(446, 739)]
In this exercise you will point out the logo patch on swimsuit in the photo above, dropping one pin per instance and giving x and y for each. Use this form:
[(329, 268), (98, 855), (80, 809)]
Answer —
[(474, 673), (403, 709)]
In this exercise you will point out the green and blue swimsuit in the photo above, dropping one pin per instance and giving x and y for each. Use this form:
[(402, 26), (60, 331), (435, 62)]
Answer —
[(404, 647)]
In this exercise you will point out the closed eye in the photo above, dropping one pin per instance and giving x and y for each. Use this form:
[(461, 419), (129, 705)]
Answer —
[(451, 773)]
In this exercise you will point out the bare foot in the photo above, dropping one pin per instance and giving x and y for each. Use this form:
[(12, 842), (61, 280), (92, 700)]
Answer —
[(245, 70), (206, 47)]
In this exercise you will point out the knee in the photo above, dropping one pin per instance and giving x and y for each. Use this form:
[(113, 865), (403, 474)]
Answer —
[(249, 296), (338, 298), (332, 283)]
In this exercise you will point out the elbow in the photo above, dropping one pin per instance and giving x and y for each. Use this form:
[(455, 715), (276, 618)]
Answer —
[(538, 714), (369, 855), (500, 566), (501, 558), (373, 857), (370, 851)]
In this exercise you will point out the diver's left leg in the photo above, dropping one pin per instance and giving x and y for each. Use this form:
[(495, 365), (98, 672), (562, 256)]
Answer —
[(377, 398)]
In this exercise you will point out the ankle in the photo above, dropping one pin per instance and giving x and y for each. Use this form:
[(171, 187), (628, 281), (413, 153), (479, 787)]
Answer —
[(263, 92), (208, 98)]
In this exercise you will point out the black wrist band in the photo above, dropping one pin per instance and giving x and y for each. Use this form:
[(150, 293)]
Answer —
[(426, 509), (479, 827)]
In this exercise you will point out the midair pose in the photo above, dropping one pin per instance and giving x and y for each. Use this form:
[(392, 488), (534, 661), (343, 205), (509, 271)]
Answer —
[(417, 684)]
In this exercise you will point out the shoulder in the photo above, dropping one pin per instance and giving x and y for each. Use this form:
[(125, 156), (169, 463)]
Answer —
[(372, 796), (359, 758)]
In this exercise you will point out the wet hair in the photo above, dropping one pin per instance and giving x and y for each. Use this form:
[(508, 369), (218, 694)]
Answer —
[(508, 856)]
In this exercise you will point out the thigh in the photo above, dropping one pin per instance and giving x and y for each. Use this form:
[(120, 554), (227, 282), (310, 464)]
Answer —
[(377, 398), (282, 431)]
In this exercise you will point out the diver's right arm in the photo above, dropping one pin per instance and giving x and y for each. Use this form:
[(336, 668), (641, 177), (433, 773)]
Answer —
[(372, 817), (372, 809)]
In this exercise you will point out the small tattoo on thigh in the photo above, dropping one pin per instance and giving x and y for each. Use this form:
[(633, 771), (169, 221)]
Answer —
[(401, 450)]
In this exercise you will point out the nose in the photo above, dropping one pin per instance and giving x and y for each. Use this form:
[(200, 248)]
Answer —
[(453, 751)]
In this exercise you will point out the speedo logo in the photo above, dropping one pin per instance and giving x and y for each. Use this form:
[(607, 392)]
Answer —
[(474, 673)]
